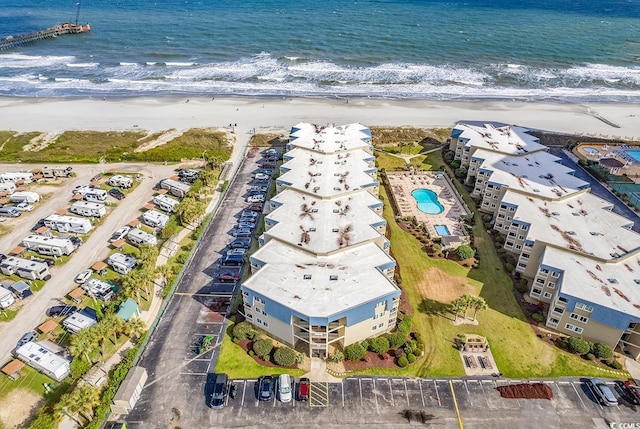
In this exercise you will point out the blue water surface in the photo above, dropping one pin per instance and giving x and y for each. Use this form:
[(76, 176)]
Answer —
[(427, 201), (433, 49)]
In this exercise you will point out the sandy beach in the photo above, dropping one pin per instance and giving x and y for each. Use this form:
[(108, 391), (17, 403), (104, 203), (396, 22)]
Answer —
[(155, 114)]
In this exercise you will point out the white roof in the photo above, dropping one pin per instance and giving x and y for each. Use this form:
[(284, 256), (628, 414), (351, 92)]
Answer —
[(51, 241), (338, 222), (507, 139), (330, 138), (88, 204), (43, 357), (119, 258), (327, 174), (67, 219), (24, 264), (282, 279), (77, 321), (538, 174), (583, 223), (166, 199), (614, 285), (156, 216)]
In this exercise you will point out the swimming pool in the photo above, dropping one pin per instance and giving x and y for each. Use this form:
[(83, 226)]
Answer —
[(635, 154), (591, 151), (442, 230), (427, 201)]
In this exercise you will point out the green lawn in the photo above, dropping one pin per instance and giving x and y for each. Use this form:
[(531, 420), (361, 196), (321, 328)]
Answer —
[(237, 363), (389, 162), (516, 349), (30, 379)]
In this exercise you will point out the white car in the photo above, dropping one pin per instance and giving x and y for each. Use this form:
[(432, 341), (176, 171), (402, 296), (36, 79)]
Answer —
[(259, 198), (83, 276), (261, 176), (120, 234), (24, 207), (284, 388)]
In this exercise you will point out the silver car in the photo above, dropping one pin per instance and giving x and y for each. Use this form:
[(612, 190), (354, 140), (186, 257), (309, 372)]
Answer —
[(602, 392)]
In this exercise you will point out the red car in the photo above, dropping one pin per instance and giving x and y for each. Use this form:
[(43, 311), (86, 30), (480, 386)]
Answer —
[(633, 390), (303, 389), (228, 277)]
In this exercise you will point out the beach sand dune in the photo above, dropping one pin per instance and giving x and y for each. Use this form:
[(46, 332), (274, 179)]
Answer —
[(245, 115)]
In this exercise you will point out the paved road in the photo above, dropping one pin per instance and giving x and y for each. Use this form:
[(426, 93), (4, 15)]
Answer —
[(599, 190), (94, 249)]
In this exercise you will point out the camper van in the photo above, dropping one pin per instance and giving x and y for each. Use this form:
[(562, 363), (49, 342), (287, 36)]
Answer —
[(120, 181), (95, 195), (50, 246), (155, 219), (26, 178), (55, 172), (25, 268), (8, 187), (164, 203), (138, 238), (175, 188), (79, 225), (98, 289), (6, 298), (121, 263), (24, 197), (88, 209), (7, 211)]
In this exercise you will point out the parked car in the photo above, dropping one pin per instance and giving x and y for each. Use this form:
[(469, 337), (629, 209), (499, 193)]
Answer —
[(220, 391), (96, 177), (259, 198), (240, 243), (284, 387), (270, 151), (26, 338), (247, 219), (83, 276), (265, 391), (303, 389), (120, 234), (249, 213), (261, 176), (49, 261), (242, 232), (228, 276), (116, 193), (256, 207), (38, 225), (237, 251), (76, 241), (245, 224), (633, 390), (260, 188), (24, 207), (61, 310), (268, 164), (2, 257), (602, 392)]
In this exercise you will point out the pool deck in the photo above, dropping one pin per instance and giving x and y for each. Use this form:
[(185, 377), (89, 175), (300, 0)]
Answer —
[(631, 167), (403, 183)]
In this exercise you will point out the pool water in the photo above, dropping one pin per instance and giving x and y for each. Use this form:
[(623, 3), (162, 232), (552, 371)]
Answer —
[(590, 150), (442, 230), (635, 154), (427, 201)]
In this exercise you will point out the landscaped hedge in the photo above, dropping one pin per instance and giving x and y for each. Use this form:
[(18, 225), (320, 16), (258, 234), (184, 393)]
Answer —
[(355, 352), (284, 356)]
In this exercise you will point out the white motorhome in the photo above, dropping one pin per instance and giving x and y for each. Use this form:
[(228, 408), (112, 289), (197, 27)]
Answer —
[(24, 197), (15, 177), (25, 268), (78, 321), (98, 289), (155, 219), (138, 237), (61, 223), (175, 188), (120, 181), (6, 298), (88, 209), (8, 187), (122, 264), (50, 246), (55, 172), (95, 195), (165, 203), (39, 357)]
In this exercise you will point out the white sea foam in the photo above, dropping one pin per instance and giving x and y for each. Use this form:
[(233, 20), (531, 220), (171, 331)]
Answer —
[(22, 61), (180, 64), (86, 65)]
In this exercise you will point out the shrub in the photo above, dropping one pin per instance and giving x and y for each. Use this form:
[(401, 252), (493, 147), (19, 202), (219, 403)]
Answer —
[(465, 251), (613, 363), (379, 345), (263, 347), (411, 358), (410, 346), (397, 339), (509, 267), (251, 353), (418, 351), (590, 356), (241, 330), (399, 353), (337, 356), (355, 352), (365, 344), (284, 356), (521, 285), (403, 361), (601, 350), (404, 327), (578, 345), (538, 317), (436, 247)]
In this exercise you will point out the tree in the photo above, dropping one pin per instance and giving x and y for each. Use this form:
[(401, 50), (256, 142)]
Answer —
[(263, 347), (478, 303), (379, 345), (66, 406), (87, 397), (134, 327), (190, 210), (114, 326), (456, 305), (284, 356), (148, 255), (465, 252), (601, 350), (82, 344), (170, 229), (397, 339), (241, 330), (578, 345), (355, 352), (208, 177)]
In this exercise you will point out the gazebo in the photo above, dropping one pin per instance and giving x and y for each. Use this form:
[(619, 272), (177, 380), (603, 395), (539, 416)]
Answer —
[(99, 267)]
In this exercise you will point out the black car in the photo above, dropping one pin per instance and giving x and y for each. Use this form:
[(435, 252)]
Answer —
[(38, 225), (240, 243), (49, 261), (219, 391), (265, 389), (116, 193), (76, 241), (2, 257), (61, 310)]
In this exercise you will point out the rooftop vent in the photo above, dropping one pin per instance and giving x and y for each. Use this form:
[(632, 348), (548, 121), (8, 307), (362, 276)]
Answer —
[(571, 232), (335, 230), (536, 190), (613, 281), (307, 277), (555, 213), (333, 277), (637, 281)]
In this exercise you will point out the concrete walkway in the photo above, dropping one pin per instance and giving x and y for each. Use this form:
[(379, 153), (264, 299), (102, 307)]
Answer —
[(319, 372)]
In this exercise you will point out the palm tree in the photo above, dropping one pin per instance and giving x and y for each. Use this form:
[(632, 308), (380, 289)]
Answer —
[(467, 302), (81, 344), (87, 397), (68, 406), (455, 306), (148, 255), (113, 325), (479, 304), (135, 327)]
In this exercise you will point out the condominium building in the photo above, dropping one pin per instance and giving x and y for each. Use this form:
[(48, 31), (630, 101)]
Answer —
[(323, 278), (582, 258)]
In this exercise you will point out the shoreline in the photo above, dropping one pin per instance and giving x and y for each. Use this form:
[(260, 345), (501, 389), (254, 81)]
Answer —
[(275, 114)]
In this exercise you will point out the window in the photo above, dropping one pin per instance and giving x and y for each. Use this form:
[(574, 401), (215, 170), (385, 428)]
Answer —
[(512, 234), (554, 321), (555, 274), (500, 216), (536, 291), (582, 319), (551, 285), (374, 327), (498, 225), (495, 197), (573, 328), (493, 205), (525, 255), (525, 227), (518, 246), (583, 306), (521, 237), (561, 299), (333, 277), (512, 209), (540, 281), (307, 277), (522, 264), (547, 295), (558, 310), (544, 271)]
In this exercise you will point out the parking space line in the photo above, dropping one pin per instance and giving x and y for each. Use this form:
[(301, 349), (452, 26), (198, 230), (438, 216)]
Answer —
[(579, 397), (244, 388), (484, 395), (406, 392), (319, 394), (437, 394), (455, 404), (468, 393), (375, 397), (421, 394), (360, 384), (517, 401), (393, 403), (342, 385), (193, 373)]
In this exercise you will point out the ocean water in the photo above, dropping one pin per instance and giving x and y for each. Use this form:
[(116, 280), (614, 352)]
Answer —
[(559, 50)]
